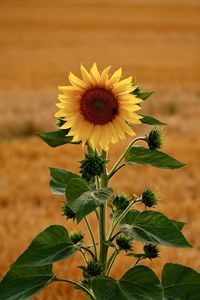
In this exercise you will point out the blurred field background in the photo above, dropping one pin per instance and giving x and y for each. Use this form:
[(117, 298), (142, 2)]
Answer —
[(40, 41)]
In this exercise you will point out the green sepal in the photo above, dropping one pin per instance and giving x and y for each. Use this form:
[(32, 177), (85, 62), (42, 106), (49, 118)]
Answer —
[(153, 227), (49, 246), (138, 283), (82, 200), (155, 158), (22, 283), (56, 138), (59, 180), (151, 120), (180, 282)]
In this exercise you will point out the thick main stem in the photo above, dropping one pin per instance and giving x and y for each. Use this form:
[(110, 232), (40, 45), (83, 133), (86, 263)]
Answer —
[(103, 221)]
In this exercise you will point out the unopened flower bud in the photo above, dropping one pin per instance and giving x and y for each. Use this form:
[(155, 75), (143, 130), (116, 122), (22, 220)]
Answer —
[(68, 212), (154, 139), (92, 165), (151, 251), (94, 268), (76, 237), (121, 202), (124, 242), (149, 198)]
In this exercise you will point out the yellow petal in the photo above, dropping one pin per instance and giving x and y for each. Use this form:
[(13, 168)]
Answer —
[(74, 80), (95, 73), (115, 77), (104, 75)]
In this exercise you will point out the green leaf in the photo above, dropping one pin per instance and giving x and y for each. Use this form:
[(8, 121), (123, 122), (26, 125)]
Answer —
[(153, 227), (139, 283), (56, 138), (75, 188), (82, 200), (59, 180), (107, 288), (142, 283), (180, 282), (151, 120), (178, 224), (141, 94), (155, 158), (50, 245), (22, 283)]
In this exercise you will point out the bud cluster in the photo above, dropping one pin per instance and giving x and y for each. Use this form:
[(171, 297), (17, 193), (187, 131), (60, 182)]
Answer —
[(92, 165), (67, 211), (121, 202), (149, 198), (154, 139), (76, 237), (124, 242)]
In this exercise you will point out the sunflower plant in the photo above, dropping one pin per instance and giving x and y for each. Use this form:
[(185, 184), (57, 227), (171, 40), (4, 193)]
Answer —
[(97, 111)]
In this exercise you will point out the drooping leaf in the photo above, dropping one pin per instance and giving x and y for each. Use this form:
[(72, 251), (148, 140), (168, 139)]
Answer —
[(153, 227), (180, 282), (22, 283), (59, 180), (82, 200), (50, 245), (56, 138), (151, 120), (139, 283), (155, 158)]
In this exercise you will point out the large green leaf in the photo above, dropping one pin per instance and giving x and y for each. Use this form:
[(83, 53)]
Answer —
[(82, 200), (180, 282), (50, 245), (139, 283), (151, 120), (22, 283), (153, 227), (56, 138), (59, 180), (156, 158)]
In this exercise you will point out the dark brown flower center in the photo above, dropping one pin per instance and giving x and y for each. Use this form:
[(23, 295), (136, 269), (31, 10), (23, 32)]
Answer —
[(99, 106)]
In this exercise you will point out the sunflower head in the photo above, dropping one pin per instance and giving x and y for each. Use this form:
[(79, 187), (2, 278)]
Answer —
[(98, 108)]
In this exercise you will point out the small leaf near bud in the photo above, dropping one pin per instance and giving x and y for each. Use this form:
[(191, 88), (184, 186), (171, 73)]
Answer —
[(68, 212), (154, 139), (76, 237), (149, 198), (121, 202), (150, 251), (124, 243), (92, 165)]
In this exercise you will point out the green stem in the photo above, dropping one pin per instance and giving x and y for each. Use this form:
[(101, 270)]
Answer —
[(111, 261), (89, 251), (91, 235), (76, 284), (117, 164), (84, 256), (121, 216), (103, 219)]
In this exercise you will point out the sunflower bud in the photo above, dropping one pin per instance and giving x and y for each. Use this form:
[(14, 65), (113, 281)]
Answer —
[(154, 139), (149, 198), (76, 237), (124, 242), (150, 251), (121, 202), (92, 165), (94, 268), (68, 212)]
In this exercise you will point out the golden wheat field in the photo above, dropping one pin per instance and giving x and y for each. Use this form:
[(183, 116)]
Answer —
[(40, 42)]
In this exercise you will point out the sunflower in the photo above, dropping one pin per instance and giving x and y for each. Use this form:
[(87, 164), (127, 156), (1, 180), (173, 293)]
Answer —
[(98, 109)]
